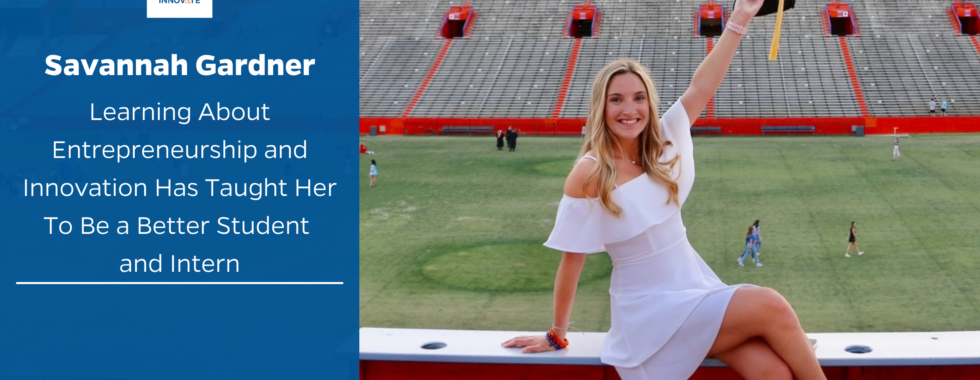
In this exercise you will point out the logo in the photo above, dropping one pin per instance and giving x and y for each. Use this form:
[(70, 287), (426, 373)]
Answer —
[(178, 8)]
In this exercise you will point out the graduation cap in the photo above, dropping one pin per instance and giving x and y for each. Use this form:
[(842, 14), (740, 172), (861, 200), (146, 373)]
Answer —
[(774, 6)]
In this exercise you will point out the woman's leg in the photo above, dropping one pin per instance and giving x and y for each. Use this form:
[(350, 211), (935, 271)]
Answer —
[(745, 254), (755, 360), (762, 313)]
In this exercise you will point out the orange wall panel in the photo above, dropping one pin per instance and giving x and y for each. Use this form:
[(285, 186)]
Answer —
[(740, 127)]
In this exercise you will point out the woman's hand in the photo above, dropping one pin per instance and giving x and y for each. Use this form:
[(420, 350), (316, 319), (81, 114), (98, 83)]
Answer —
[(531, 344), (745, 10)]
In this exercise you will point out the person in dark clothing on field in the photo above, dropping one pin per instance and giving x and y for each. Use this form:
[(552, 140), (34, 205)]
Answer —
[(511, 139), (500, 140), (852, 241)]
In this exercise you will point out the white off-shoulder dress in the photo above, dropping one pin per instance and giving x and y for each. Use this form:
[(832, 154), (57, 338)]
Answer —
[(667, 304)]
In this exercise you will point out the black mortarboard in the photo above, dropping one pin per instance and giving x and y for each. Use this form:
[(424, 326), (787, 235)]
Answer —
[(771, 6)]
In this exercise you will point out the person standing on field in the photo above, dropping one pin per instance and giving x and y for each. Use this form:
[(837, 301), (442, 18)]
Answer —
[(895, 152), (374, 174), (852, 241)]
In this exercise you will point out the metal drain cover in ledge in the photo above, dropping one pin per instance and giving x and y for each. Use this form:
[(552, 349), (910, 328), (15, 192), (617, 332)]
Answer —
[(858, 349), (438, 345)]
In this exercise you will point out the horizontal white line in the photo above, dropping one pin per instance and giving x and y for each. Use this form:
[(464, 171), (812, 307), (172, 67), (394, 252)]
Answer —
[(180, 283)]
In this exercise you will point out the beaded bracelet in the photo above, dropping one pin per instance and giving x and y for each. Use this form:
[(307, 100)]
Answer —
[(740, 29), (553, 340)]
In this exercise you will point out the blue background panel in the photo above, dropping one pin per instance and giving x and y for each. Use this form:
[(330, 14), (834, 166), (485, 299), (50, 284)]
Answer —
[(178, 331)]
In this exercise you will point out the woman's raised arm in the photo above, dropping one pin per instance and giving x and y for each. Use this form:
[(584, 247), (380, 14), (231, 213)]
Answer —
[(707, 78)]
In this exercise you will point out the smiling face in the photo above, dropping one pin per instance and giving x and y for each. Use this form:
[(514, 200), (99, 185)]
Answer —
[(627, 106)]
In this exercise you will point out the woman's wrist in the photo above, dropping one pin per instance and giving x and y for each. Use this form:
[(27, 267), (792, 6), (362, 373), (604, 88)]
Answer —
[(556, 341), (559, 331), (740, 19), (738, 29)]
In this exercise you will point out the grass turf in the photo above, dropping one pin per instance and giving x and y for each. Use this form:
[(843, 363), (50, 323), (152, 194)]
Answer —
[(451, 237)]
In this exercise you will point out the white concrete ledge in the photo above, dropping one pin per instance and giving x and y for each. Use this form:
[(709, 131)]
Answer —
[(464, 346)]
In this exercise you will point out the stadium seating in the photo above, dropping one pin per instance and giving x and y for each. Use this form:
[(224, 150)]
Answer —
[(900, 73), (392, 74), (489, 76), (513, 64)]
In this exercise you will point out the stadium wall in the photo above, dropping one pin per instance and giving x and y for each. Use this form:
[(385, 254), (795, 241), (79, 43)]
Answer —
[(734, 127), (382, 370), (406, 354)]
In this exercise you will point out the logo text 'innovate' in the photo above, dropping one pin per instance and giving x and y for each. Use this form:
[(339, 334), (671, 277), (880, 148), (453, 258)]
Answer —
[(178, 8)]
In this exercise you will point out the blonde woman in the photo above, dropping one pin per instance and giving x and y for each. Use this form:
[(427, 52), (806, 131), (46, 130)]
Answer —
[(669, 311)]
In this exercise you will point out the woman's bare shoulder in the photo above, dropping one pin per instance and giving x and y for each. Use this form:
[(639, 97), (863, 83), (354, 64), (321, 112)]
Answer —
[(575, 183)]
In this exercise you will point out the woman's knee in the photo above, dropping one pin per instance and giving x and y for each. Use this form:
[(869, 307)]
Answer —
[(777, 310), (758, 312)]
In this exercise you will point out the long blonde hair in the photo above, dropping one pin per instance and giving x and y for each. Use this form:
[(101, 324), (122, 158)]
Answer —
[(600, 141)]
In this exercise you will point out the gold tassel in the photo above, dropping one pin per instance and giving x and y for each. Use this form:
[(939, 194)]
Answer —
[(774, 48)]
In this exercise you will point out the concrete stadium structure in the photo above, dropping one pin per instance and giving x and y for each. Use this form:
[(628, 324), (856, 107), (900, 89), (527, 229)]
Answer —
[(517, 66)]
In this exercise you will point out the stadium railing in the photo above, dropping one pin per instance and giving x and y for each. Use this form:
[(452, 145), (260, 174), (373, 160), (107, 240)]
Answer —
[(459, 354)]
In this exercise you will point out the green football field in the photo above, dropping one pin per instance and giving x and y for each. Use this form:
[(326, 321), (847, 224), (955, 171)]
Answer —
[(451, 237)]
